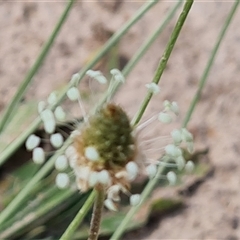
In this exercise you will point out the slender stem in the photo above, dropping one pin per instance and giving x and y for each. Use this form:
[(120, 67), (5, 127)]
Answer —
[(151, 184), (113, 40), (209, 64), (45, 50), (79, 217), (97, 214), (164, 59), (34, 215), (141, 51)]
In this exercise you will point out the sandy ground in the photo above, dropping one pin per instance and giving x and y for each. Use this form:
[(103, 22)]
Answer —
[(213, 212)]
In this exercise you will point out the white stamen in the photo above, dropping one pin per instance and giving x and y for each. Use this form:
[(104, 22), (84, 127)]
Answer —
[(167, 105), (164, 117), (59, 113), (52, 98), (56, 140), (38, 155), (72, 156), (91, 153), (180, 162), (97, 75), (132, 169), (103, 177), (62, 180), (189, 166), (172, 150), (186, 135), (153, 88), (110, 205), (32, 142), (75, 78), (49, 122), (117, 75), (93, 179), (82, 172), (151, 170), (41, 106), (135, 199), (61, 163), (177, 136), (49, 126), (73, 94), (190, 147), (113, 193), (172, 178), (174, 107)]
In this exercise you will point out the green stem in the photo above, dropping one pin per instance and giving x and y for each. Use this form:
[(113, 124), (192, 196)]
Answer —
[(113, 40), (209, 64), (97, 214), (32, 216), (141, 51), (151, 184), (22, 88), (14, 204), (79, 217), (164, 59)]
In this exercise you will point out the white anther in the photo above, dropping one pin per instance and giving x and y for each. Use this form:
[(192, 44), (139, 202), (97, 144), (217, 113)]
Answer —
[(73, 94), (71, 154), (172, 177), (52, 98), (164, 117), (110, 205), (47, 115), (82, 172), (118, 76), (186, 135), (189, 166), (91, 153), (32, 142), (38, 155), (61, 163), (132, 170), (41, 106), (97, 75), (59, 113), (172, 150), (151, 170), (153, 88), (174, 107), (167, 105), (135, 199), (49, 126), (177, 136), (93, 179), (180, 162), (104, 177), (56, 140), (75, 78), (62, 180), (190, 147), (113, 193)]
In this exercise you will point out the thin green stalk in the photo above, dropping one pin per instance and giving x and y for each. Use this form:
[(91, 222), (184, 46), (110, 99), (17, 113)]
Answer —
[(210, 63), (22, 88), (141, 51), (144, 195), (14, 204), (32, 216), (113, 40), (151, 184), (164, 59), (79, 217)]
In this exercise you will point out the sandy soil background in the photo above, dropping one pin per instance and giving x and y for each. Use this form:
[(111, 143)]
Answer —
[(213, 211)]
